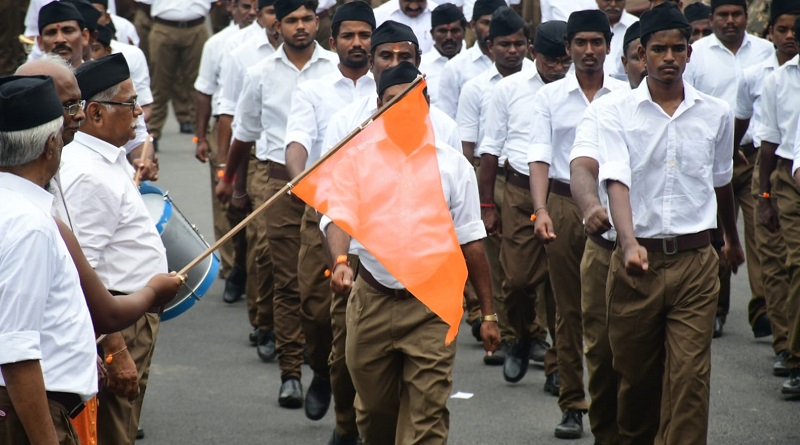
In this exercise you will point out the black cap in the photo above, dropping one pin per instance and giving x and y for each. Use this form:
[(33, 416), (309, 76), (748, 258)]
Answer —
[(404, 72), (286, 7), (697, 11), (264, 3), (589, 20), (105, 35), (797, 26), (101, 74), (390, 32), (486, 7), (505, 22), (27, 102), (632, 33), (446, 13), (716, 3), (662, 17), (90, 14), (358, 11), (550, 38), (57, 12), (780, 7), (103, 3)]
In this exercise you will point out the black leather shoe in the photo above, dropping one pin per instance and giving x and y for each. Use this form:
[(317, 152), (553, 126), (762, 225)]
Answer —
[(516, 363), (139, 433), (336, 439), (779, 366), (571, 426), (498, 357), (762, 327), (234, 285), (253, 336), (291, 395), (265, 348), (476, 330), (538, 349), (552, 383), (318, 398), (791, 387), (187, 128), (719, 323)]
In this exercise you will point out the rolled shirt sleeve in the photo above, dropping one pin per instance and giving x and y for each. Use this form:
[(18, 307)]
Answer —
[(449, 89), (302, 125), (541, 149), (768, 129), (723, 152), (796, 149), (586, 134), (465, 205), (744, 99), (614, 151), (496, 124), (248, 107), (467, 114), (206, 81)]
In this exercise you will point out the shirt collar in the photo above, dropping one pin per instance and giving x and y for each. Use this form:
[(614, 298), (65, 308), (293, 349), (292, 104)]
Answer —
[(626, 19), (715, 41), (281, 54), (795, 62), (103, 148), (475, 53), (340, 78), (38, 196), (690, 95), (571, 83)]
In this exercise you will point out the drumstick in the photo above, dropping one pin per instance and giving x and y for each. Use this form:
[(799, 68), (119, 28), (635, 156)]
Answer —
[(288, 187), (146, 145)]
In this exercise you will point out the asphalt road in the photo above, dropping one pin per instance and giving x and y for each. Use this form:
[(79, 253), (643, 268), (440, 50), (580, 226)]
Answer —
[(207, 386)]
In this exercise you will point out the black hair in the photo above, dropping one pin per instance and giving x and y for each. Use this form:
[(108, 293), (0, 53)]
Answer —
[(685, 31), (772, 22), (571, 36)]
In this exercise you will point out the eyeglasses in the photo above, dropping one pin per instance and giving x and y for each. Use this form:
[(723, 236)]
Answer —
[(552, 63), (72, 109), (131, 104)]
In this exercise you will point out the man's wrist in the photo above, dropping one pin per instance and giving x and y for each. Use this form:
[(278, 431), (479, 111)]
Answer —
[(489, 318)]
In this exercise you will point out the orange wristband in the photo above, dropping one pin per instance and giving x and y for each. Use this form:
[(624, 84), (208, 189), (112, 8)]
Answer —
[(220, 173), (765, 195)]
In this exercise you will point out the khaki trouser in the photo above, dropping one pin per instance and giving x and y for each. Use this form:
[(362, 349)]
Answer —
[(344, 393), (401, 368), (13, 433), (602, 377), (774, 274), (118, 417), (524, 271), (218, 209), (564, 256), (660, 327), (143, 23), (315, 293), (174, 62), (260, 273), (742, 182), (787, 195), (283, 221)]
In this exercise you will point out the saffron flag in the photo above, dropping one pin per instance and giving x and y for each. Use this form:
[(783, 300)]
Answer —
[(384, 189)]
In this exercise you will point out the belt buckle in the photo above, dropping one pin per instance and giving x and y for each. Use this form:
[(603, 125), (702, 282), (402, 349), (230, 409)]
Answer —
[(665, 242), (400, 294), (183, 25)]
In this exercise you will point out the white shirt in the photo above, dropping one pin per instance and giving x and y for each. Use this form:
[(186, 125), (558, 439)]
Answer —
[(126, 31), (670, 164), (349, 118), (43, 314), (780, 108), (250, 47), (266, 98), (178, 10), (714, 70), (557, 110), (508, 124), (421, 25), (137, 65), (108, 215), (748, 97), (561, 9), (432, 64), (32, 15), (460, 69), (613, 64), (473, 103), (796, 150), (460, 189), (313, 104), (209, 73)]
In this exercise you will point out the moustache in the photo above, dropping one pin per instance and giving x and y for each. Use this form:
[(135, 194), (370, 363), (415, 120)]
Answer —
[(61, 46)]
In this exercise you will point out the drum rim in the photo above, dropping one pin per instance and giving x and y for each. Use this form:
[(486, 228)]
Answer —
[(149, 189), (201, 290)]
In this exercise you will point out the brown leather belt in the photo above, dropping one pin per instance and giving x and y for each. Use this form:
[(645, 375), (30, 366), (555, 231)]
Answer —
[(179, 24), (675, 244), (71, 402), (516, 178), (277, 171), (151, 309), (400, 294), (602, 242), (560, 188), (748, 149)]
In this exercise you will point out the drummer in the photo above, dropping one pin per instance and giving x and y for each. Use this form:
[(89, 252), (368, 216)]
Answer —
[(115, 231)]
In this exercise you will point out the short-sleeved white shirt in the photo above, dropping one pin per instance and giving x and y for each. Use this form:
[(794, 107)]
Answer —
[(209, 74), (748, 97), (421, 25), (458, 71), (780, 108)]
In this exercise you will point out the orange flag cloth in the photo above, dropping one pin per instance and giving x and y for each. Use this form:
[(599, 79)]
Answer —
[(384, 189)]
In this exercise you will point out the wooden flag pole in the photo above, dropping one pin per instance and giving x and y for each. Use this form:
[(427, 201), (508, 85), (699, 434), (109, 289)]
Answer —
[(288, 187)]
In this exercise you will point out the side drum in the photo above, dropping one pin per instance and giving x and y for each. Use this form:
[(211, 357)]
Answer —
[(183, 244)]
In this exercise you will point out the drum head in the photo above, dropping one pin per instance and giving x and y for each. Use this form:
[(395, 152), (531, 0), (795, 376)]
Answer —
[(159, 208)]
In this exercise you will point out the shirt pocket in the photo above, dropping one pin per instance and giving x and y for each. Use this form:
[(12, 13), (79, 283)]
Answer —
[(696, 158)]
